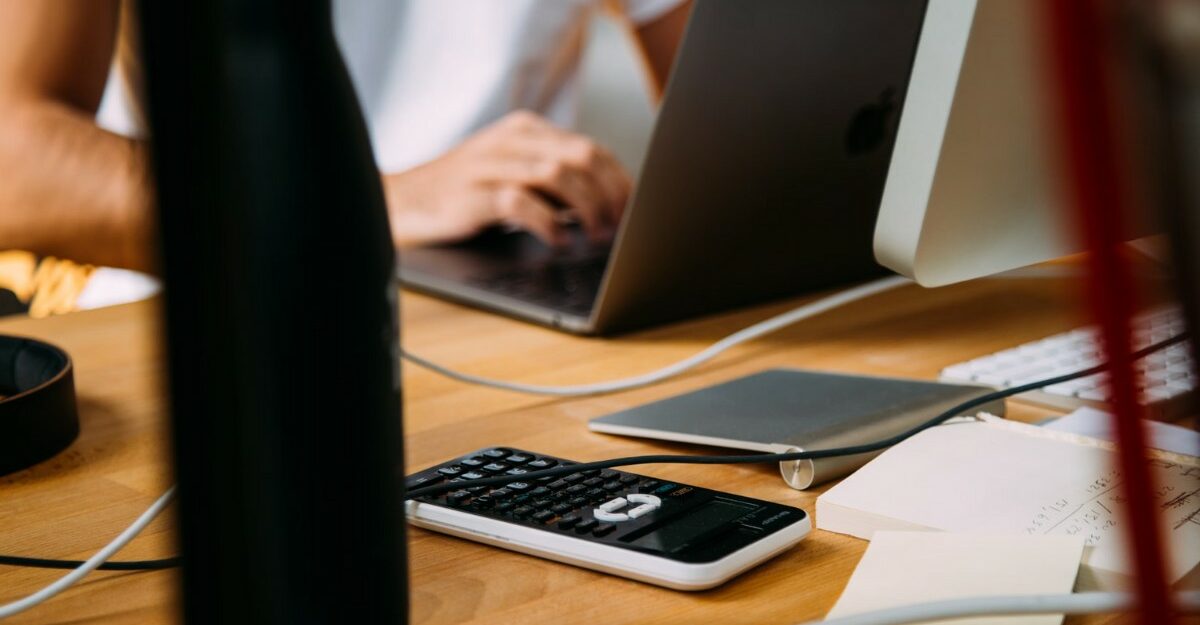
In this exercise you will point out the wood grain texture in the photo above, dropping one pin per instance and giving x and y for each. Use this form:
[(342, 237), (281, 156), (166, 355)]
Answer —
[(70, 506)]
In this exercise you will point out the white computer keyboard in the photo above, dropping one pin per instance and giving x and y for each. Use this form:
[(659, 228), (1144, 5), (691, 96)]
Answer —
[(1166, 376)]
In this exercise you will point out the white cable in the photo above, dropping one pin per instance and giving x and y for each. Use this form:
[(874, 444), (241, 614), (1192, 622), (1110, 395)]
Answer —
[(737, 338), (107, 552), (1078, 603)]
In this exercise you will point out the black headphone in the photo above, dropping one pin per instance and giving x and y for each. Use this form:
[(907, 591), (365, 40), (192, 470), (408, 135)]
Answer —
[(38, 417)]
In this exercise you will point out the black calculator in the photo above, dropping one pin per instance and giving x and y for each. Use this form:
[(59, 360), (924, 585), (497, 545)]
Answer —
[(652, 530)]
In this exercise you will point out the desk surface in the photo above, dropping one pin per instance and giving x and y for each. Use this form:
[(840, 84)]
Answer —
[(70, 506)]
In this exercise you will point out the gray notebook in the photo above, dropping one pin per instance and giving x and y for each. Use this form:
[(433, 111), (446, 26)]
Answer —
[(791, 409)]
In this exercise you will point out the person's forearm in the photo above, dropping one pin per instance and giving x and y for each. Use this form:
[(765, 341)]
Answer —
[(71, 189)]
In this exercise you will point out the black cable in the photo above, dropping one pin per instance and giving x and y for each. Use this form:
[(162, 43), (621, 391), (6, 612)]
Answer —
[(854, 450), (127, 565), (150, 565)]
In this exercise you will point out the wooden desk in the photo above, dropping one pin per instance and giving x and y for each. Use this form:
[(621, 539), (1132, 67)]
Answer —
[(70, 506)]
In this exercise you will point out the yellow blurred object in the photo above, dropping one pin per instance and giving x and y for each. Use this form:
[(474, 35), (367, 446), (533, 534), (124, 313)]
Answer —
[(48, 287)]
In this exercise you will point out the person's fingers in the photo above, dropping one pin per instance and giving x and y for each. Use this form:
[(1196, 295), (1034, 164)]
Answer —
[(545, 169), (519, 207), (605, 178)]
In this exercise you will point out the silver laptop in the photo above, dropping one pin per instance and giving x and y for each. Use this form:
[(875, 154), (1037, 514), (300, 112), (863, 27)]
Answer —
[(762, 178)]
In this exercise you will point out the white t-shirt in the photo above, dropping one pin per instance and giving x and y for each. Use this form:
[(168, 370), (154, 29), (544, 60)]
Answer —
[(431, 72)]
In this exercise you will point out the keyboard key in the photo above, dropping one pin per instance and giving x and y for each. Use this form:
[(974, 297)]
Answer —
[(603, 529), (473, 462), (628, 478), (561, 508), (497, 453), (542, 463), (541, 504), (608, 474), (577, 502), (540, 491), (557, 484), (576, 489), (519, 487), (572, 478), (516, 471), (596, 494), (473, 475), (500, 493), (593, 482), (568, 522), (613, 505), (450, 471), (518, 459), (613, 485), (496, 467), (586, 526)]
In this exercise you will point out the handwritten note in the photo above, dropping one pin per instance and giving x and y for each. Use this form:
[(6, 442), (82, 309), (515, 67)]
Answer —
[(984, 476)]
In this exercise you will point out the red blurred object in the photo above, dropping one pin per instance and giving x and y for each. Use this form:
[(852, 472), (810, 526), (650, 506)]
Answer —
[(1099, 187)]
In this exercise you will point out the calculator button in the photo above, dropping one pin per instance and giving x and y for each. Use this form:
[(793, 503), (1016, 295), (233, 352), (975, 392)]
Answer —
[(503, 507), (642, 510), (473, 462), (586, 526), (516, 471), (558, 484), (542, 463), (572, 478), (561, 508), (578, 488), (518, 486), (457, 497), (518, 459), (591, 472), (614, 505), (450, 471), (497, 453), (665, 488), (473, 475), (593, 482), (483, 501), (596, 494), (568, 522), (627, 478), (647, 486), (522, 511), (608, 474), (613, 485), (501, 493), (496, 467), (603, 529), (542, 503), (640, 498), (543, 516), (609, 517), (577, 502), (540, 491), (421, 482)]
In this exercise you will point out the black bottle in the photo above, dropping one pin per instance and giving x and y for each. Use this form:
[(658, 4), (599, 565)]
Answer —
[(280, 317)]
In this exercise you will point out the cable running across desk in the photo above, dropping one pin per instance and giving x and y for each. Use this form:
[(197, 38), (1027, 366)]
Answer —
[(675, 459), (799, 455)]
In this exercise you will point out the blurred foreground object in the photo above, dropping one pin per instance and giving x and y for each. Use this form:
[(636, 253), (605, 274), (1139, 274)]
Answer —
[(286, 413)]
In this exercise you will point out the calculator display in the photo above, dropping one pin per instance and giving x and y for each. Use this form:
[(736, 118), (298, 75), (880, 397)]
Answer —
[(680, 531)]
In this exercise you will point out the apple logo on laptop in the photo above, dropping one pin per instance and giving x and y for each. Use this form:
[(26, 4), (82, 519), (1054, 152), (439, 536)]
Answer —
[(869, 125)]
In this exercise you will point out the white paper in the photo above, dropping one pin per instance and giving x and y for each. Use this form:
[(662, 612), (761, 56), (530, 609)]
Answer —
[(1014, 478), (1098, 424), (903, 568)]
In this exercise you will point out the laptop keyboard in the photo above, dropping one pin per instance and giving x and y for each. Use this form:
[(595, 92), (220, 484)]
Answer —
[(566, 284)]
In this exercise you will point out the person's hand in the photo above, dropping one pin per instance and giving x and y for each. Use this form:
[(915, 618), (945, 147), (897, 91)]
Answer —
[(521, 171)]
